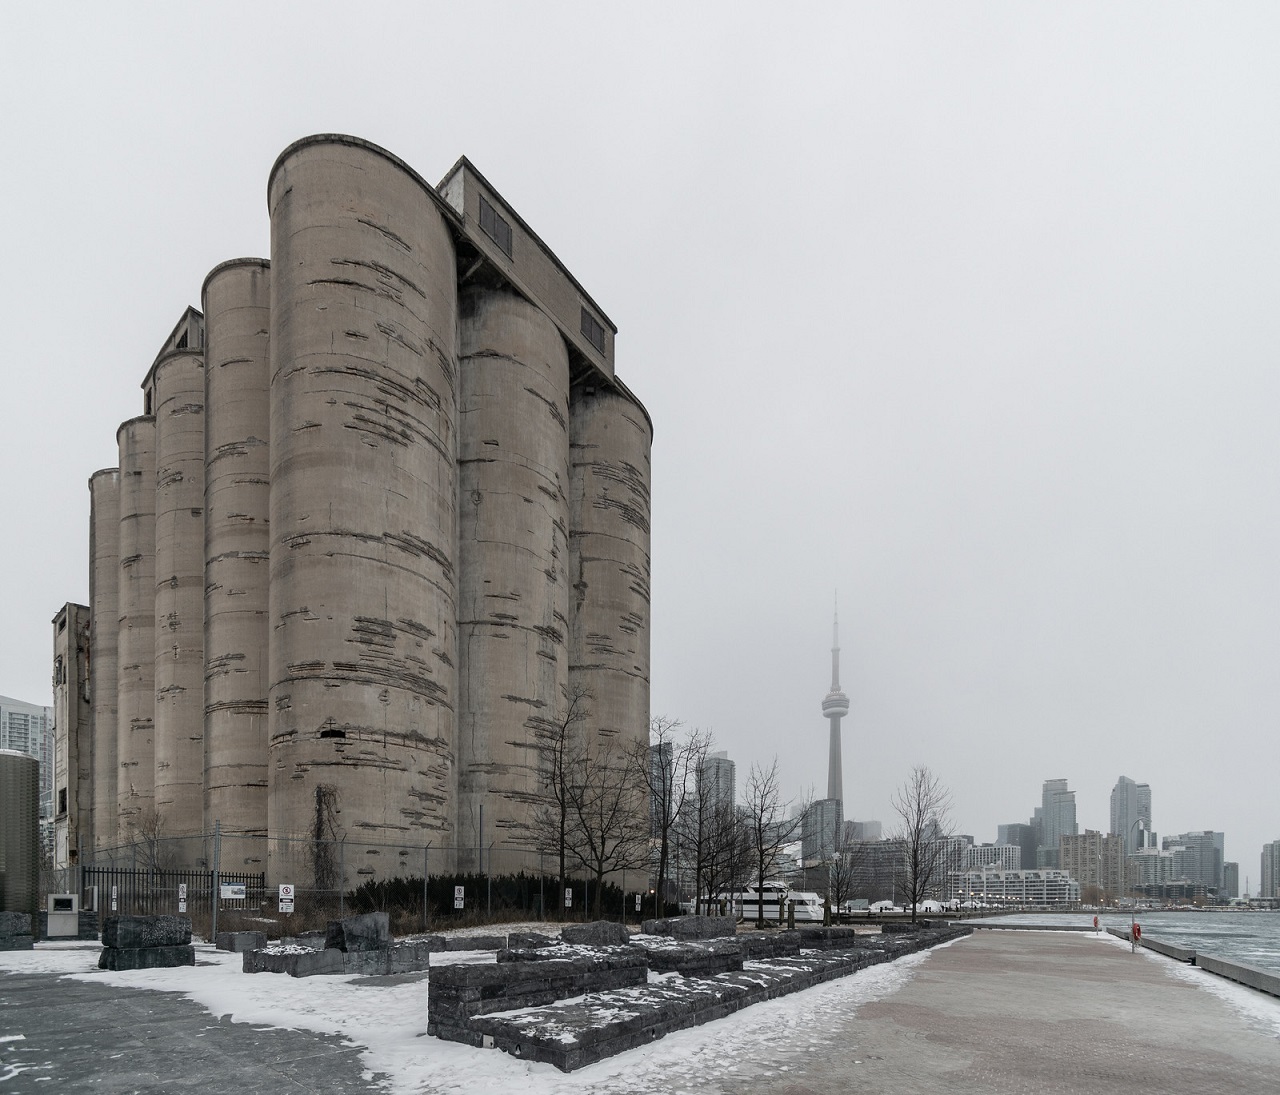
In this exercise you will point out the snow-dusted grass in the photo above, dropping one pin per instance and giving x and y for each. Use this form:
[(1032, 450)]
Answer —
[(389, 1022)]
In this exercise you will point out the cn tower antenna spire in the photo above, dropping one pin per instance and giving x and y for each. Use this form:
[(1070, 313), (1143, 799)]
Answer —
[(834, 707)]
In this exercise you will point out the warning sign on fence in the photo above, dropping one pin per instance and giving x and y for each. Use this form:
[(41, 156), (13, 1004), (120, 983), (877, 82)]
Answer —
[(568, 897), (458, 896), (182, 897), (115, 892), (286, 897)]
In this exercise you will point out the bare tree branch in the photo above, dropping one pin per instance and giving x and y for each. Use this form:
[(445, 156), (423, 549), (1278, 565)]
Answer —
[(923, 806)]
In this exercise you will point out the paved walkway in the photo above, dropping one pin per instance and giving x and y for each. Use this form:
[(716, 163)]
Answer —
[(1005, 1012)]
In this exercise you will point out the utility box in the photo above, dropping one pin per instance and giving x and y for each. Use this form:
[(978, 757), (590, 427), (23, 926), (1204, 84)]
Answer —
[(64, 916)]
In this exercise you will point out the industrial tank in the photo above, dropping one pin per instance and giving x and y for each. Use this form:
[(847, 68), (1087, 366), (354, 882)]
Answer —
[(610, 438), (179, 638), (363, 646), (104, 625), (236, 304), (513, 553), (136, 656)]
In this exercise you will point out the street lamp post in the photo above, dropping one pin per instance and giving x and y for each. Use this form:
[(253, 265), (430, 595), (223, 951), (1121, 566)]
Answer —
[(1133, 908)]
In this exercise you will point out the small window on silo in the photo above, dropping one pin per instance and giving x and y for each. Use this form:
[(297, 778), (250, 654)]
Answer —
[(182, 342), (593, 330), (494, 226)]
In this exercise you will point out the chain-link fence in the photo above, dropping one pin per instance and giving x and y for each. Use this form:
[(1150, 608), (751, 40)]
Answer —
[(288, 885)]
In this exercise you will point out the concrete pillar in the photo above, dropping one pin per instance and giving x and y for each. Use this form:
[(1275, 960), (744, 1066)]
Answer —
[(363, 644), (104, 637), (179, 650), (610, 437), (513, 553), (236, 304), (136, 665)]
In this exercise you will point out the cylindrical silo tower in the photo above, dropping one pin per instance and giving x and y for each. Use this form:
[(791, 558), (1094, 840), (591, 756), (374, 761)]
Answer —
[(363, 646), (178, 379), (610, 437), (104, 637), (513, 556), (136, 652), (236, 304)]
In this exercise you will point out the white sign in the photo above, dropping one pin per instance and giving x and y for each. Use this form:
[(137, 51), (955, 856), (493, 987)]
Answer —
[(637, 902), (182, 897), (231, 891), (568, 897), (458, 896), (286, 897), (114, 892)]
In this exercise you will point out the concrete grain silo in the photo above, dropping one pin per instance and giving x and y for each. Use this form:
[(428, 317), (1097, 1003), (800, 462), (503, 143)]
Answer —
[(236, 302), (136, 650), (363, 650), (610, 436), (104, 637), (177, 379), (513, 668)]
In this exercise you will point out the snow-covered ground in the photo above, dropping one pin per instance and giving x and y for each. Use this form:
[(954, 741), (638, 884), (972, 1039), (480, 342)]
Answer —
[(389, 1021)]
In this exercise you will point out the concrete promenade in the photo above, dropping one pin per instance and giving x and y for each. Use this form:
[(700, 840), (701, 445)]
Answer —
[(1049, 1013)]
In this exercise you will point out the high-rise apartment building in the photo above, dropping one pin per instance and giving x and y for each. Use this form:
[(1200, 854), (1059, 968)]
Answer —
[(1198, 856), (1269, 886), (820, 830), (1007, 857), (1230, 881), (1130, 812), (1057, 819), (1096, 861), (28, 728), (1024, 837), (718, 777), (661, 780)]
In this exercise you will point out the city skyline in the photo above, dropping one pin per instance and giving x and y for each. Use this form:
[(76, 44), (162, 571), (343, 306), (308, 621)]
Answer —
[(1006, 386)]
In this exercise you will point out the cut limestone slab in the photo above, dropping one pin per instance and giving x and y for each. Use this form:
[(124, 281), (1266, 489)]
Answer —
[(599, 933), (295, 961), (134, 932), (366, 932), (146, 958), (693, 927), (239, 942)]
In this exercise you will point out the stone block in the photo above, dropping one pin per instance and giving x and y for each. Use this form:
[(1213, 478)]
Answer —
[(411, 956), (365, 932), (239, 942), (140, 932), (698, 958), (474, 942), (16, 942), (518, 941), (599, 933), (825, 939), (295, 961), (146, 958), (693, 927), (314, 940), (15, 923)]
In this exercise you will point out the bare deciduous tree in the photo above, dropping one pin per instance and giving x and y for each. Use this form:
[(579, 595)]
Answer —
[(608, 826), (560, 746), (923, 806), (768, 828)]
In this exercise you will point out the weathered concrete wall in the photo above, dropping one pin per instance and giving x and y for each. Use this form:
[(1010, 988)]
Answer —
[(136, 664), (363, 648), (236, 301), (179, 647), (513, 554), (72, 747), (610, 439), (104, 635)]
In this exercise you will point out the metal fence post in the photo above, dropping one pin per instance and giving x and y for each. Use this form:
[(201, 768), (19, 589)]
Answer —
[(217, 865), (489, 882), (426, 874), (342, 878)]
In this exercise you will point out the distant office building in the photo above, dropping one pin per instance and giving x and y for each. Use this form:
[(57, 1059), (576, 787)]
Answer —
[(1057, 819), (718, 778), (1270, 886), (955, 856), (863, 830), (1130, 812), (1095, 861), (1023, 836), (1198, 857), (28, 728), (1006, 857), (1230, 881), (1035, 888), (820, 830)]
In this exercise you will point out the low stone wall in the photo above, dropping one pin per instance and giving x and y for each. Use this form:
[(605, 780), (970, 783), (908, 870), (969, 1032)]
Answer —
[(698, 958), (1180, 954), (239, 942), (458, 994), (599, 933), (1260, 979), (15, 931), (295, 961), (146, 942), (693, 927), (572, 1033)]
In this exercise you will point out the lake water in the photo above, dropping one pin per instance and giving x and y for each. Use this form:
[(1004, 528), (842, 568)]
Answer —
[(1251, 937)]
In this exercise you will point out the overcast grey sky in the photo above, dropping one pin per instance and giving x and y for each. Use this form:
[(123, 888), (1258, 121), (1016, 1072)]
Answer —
[(968, 310)]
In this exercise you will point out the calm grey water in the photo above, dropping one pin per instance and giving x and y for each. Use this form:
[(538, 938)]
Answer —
[(1251, 937)]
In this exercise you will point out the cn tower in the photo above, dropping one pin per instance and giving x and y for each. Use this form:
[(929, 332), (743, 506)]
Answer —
[(834, 707)]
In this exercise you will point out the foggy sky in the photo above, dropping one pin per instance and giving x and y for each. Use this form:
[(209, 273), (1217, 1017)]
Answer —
[(967, 311)]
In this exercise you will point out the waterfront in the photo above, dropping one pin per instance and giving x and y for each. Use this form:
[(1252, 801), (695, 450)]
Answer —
[(1251, 937)]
